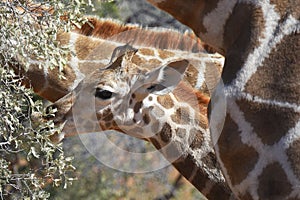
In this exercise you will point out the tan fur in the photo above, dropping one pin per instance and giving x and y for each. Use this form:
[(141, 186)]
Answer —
[(283, 5)]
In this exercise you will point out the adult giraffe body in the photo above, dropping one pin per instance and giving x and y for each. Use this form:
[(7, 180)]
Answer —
[(258, 148)]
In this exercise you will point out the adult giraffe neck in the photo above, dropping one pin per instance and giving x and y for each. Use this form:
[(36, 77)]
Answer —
[(207, 19), (260, 41)]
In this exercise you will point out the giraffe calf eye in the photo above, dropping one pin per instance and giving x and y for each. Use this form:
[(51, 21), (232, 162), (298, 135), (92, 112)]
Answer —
[(103, 94)]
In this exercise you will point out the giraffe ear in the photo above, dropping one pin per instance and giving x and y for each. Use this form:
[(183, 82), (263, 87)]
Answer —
[(165, 79)]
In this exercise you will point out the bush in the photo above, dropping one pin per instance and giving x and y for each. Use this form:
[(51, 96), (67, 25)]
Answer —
[(29, 161)]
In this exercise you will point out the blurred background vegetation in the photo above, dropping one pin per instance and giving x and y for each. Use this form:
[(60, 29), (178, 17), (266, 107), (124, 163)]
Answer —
[(29, 161), (31, 167)]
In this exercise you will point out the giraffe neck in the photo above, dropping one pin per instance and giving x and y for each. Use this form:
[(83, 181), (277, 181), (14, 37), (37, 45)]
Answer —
[(92, 49), (263, 95), (183, 138), (176, 124), (208, 19), (261, 134)]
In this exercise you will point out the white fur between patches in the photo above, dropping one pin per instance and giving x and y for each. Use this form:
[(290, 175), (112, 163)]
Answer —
[(268, 42), (74, 62), (215, 21)]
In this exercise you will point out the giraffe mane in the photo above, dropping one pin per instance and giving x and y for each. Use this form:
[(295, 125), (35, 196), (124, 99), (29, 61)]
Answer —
[(162, 38)]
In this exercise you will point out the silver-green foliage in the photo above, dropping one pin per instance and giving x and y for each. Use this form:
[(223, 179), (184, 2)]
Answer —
[(29, 161), (104, 8)]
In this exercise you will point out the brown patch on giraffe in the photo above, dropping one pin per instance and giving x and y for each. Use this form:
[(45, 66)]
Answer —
[(102, 125), (196, 99), (87, 126), (278, 78), (241, 36), (136, 59), (181, 116), (191, 172), (108, 125), (191, 75), (165, 54), (106, 112), (199, 178), (146, 51), (137, 106), (212, 77), (293, 198), (258, 25), (166, 133), (35, 78), (237, 157), (155, 127), (210, 161), (293, 153), (150, 98), (146, 119), (155, 142), (273, 183), (172, 151), (195, 138), (108, 117), (63, 38), (186, 15), (58, 87), (218, 193), (86, 47), (285, 7), (201, 121), (180, 132), (246, 196), (87, 67), (115, 126), (97, 53), (153, 62), (158, 112), (166, 101), (204, 89), (269, 122)]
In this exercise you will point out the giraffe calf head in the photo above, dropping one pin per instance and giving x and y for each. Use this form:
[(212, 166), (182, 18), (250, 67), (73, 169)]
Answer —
[(114, 98)]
